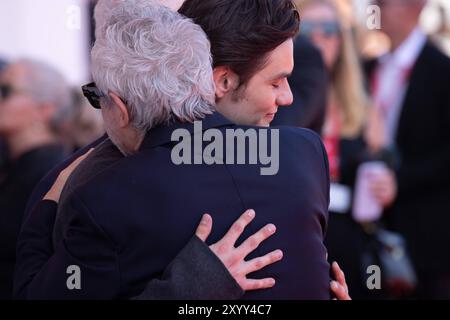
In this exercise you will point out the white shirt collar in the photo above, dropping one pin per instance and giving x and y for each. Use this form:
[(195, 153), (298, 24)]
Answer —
[(408, 52)]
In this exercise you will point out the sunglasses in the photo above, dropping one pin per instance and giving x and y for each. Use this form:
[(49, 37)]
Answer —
[(93, 94), (327, 28)]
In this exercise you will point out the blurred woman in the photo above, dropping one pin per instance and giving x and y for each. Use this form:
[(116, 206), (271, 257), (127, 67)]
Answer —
[(342, 134), (34, 101)]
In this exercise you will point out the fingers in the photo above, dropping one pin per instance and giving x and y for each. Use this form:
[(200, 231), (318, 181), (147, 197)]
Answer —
[(253, 284), (339, 287), (204, 228), (238, 227), (383, 188), (339, 291), (338, 273), (384, 195), (261, 262), (81, 158), (55, 191), (67, 171), (84, 156), (251, 243), (382, 179), (233, 258)]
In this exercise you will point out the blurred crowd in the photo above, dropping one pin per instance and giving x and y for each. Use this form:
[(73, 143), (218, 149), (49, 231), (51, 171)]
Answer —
[(378, 98)]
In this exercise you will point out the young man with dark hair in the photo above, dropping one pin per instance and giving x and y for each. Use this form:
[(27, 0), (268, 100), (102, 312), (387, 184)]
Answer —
[(252, 50)]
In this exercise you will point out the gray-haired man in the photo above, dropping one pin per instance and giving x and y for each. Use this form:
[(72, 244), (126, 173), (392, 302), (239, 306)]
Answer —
[(122, 119)]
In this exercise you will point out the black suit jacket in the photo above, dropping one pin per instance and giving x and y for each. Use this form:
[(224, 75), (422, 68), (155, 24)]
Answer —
[(422, 209), (309, 85), (129, 222), (193, 274), (22, 176)]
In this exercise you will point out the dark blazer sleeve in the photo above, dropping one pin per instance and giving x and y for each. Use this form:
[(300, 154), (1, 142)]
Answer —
[(34, 245), (47, 182), (326, 180), (45, 274), (194, 274), (309, 86)]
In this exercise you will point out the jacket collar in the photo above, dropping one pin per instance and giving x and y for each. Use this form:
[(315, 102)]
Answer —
[(162, 134)]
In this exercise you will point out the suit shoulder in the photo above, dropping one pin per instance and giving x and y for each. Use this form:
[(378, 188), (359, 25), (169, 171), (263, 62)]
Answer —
[(300, 135), (434, 55), (288, 134)]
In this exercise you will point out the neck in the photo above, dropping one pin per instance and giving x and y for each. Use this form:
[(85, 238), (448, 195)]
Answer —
[(402, 35), (130, 142), (27, 140)]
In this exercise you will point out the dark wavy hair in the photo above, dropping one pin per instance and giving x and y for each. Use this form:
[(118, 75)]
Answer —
[(243, 32)]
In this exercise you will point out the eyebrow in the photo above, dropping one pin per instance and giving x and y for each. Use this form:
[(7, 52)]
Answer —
[(281, 76)]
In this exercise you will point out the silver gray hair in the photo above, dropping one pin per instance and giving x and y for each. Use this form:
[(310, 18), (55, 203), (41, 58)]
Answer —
[(157, 61), (102, 12), (45, 84), (104, 8)]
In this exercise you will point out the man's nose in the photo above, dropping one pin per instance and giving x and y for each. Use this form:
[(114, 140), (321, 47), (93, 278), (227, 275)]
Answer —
[(286, 98)]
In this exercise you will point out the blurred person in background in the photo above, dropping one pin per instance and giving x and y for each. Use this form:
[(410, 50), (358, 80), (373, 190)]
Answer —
[(442, 35), (87, 124), (343, 136), (33, 101), (83, 126), (409, 87), (3, 151)]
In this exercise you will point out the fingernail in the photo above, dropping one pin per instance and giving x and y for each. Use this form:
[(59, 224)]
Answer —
[(271, 228), (204, 219), (272, 282), (279, 254), (334, 285), (251, 213)]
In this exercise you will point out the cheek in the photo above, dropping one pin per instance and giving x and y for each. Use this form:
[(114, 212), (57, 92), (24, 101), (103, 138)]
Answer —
[(16, 113), (330, 51), (335, 48), (263, 101)]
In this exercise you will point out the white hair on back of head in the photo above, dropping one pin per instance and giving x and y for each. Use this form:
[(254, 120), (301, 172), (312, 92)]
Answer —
[(102, 11), (104, 8), (157, 61)]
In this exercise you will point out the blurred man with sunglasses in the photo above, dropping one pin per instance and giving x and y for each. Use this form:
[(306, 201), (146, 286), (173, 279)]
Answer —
[(33, 99)]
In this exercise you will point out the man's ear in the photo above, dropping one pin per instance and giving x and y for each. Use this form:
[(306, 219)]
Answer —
[(121, 108), (226, 80)]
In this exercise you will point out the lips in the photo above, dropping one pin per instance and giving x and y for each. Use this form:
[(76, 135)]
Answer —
[(271, 115)]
